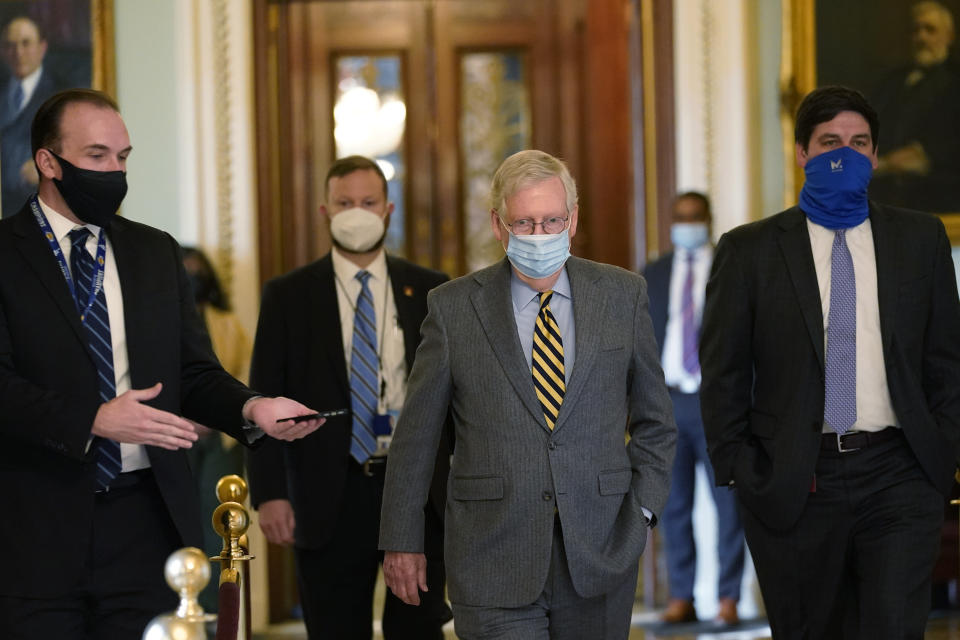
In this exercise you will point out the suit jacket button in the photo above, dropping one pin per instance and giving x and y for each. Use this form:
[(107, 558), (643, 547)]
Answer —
[(552, 446), (547, 496)]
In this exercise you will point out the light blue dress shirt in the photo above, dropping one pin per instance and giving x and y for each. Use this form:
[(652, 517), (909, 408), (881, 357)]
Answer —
[(526, 306)]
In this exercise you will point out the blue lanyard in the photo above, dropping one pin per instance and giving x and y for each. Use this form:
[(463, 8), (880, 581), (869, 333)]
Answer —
[(55, 247)]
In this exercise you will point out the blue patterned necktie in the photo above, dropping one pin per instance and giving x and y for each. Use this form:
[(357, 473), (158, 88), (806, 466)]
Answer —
[(840, 402), (97, 325), (547, 361), (691, 360), (364, 373)]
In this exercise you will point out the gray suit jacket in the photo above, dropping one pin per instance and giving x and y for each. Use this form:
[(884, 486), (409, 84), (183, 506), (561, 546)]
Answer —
[(509, 471)]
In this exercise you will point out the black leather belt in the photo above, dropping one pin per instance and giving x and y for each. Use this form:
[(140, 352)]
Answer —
[(128, 479), (856, 440)]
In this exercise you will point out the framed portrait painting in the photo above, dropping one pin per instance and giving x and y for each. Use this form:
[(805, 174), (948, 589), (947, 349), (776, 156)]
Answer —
[(904, 58), (45, 46)]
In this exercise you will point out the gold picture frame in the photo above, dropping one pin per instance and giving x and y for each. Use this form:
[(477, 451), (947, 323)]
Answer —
[(798, 76), (104, 47)]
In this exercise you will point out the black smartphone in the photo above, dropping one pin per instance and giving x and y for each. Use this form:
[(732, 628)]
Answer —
[(311, 416)]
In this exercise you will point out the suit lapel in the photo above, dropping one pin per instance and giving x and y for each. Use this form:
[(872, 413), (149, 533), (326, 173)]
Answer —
[(405, 300), (795, 244), (888, 256), (494, 307), (135, 270), (589, 313), (325, 308), (36, 252)]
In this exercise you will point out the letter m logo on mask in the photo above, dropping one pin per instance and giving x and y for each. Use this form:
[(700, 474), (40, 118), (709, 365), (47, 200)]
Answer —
[(836, 165)]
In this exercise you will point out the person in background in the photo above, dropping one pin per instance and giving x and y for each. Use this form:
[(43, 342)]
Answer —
[(918, 105), (676, 284), (341, 333), (28, 84), (215, 455)]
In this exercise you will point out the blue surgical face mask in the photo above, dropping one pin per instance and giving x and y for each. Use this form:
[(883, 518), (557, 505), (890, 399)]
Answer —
[(835, 193), (689, 235), (538, 255)]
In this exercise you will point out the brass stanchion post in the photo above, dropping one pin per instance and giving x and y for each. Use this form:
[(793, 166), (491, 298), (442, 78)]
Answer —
[(187, 572), (230, 521)]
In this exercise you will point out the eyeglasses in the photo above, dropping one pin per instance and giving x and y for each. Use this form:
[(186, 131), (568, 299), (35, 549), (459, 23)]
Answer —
[(525, 226)]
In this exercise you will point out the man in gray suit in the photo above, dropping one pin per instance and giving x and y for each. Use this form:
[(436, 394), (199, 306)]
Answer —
[(544, 362)]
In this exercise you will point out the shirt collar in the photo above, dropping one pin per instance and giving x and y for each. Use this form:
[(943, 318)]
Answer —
[(523, 294), (701, 252), (821, 231), (60, 224), (346, 271)]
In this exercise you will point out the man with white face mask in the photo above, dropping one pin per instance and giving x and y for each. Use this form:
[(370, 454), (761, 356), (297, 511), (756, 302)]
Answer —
[(677, 282), (343, 331), (545, 363)]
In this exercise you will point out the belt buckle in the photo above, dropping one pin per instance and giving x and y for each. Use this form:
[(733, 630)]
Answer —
[(368, 465), (840, 444)]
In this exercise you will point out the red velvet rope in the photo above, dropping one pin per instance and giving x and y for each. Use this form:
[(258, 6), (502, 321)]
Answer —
[(228, 618)]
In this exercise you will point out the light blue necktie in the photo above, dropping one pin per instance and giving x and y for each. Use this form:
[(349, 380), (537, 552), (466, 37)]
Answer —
[(364, 373), (840, 403), (97, 325)]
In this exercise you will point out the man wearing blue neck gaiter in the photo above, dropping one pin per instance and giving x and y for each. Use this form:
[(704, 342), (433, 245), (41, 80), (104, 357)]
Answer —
[(830, 356)]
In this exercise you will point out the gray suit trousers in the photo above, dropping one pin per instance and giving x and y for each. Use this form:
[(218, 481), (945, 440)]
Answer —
[(558, 614)]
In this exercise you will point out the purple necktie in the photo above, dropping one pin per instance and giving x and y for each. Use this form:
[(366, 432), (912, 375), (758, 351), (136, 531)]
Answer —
[(840, 404), (691, 362)]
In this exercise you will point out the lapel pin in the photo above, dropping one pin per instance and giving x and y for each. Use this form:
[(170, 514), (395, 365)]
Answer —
[(408, 291)]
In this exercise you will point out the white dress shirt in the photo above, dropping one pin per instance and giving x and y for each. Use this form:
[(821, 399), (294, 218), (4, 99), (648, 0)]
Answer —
[(874, 408), (29, 85), (390, 346), (133, 456), (674, 373)]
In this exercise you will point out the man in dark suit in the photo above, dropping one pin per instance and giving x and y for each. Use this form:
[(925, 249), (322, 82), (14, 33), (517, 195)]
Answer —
[(29, 84), (545, 363), (676, 284), (831, 388), (322, 494), (99, 358)]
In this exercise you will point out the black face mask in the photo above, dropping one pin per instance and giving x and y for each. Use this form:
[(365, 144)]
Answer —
[(93, 196)]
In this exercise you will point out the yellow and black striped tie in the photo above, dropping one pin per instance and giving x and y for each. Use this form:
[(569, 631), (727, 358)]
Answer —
[(548, 361)]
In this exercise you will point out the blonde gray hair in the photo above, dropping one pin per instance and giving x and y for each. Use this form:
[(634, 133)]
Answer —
[(524, 169)]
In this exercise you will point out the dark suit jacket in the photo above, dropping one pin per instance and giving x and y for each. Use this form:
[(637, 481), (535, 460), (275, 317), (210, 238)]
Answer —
[(298, 353), (49, 394), (657, 275), (15, 147), (762, 354)]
